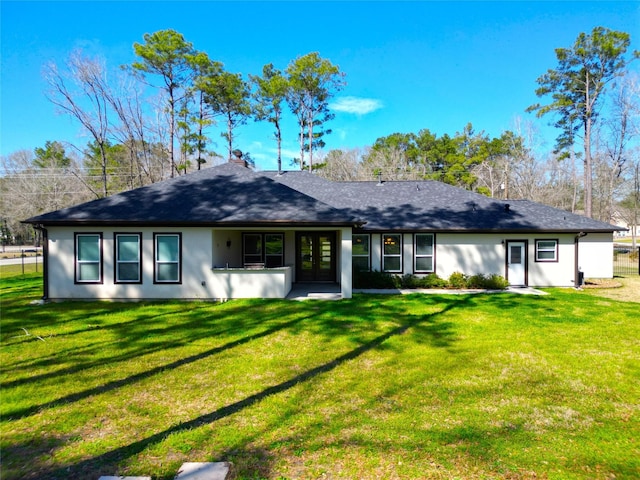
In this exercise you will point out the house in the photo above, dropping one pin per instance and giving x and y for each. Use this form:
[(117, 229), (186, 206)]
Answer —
[(230, 232), (623, 218)]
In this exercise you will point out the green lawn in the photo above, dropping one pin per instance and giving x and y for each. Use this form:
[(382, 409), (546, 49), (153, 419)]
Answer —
[(498, 386)]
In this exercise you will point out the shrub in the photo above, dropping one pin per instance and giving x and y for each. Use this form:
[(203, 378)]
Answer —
[(410, 281), (476, 281), (428, 281), (496, 282), (489, 282), (433, 281), (375, 279), (457, 280)]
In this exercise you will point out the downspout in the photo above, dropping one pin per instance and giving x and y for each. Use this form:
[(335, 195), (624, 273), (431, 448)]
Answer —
[(577, 280)]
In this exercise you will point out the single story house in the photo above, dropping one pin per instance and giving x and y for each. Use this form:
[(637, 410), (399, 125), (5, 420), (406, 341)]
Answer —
[(231, 232)]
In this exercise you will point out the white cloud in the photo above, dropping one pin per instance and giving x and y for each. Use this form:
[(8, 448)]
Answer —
[(356, 105)]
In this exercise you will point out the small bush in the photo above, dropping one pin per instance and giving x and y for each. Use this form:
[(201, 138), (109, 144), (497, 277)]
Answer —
[(457, 280), (496, 282), (489, 282), (476, 281), (410, 281), (428, 281), (375, 279)]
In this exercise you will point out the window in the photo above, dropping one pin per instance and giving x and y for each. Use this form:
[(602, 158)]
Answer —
[(360, 252), (88, 258), (168, 257), (266, 248), (423, 252), (392, 252), (273, 250), (546, 250), (128, 258)]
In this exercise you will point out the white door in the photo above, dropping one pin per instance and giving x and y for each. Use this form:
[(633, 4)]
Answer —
[(516, 263)]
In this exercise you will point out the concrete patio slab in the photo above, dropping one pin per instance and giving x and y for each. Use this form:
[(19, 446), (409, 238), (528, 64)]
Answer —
[(118, 477), (203, 471)]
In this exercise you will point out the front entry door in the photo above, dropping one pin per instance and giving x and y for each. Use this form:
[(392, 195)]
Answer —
[(316, 257), (516, 263)]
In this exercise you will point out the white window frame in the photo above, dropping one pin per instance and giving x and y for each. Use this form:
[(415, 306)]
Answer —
[(391, 255), (118, 262), (547, 249), (417, 255)]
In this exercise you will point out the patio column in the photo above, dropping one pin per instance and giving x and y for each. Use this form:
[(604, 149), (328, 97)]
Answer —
[(346, 277)]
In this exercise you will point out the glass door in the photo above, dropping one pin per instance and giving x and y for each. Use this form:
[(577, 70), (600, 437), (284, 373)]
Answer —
[(315, 252)]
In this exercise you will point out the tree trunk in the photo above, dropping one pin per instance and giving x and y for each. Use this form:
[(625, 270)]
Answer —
[(301, 145), (103, 158), (310, 145), (279, 142), (588, 175), (171, 130), (230, 136)]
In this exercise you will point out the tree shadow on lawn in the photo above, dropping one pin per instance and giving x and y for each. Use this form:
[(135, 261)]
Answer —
[(199, 326), (426, 327)]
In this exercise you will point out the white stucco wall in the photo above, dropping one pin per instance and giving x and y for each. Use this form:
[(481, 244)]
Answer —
[(344, 247), (196, 266), (595, 255), (204, 253), (204, 249), (240, 283), (485, 253)]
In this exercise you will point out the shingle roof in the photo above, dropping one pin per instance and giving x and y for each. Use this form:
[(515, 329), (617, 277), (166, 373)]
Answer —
[(435, 206), (233, 195), (226, 194)]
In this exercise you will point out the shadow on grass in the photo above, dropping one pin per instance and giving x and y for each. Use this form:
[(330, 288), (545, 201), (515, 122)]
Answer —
[(425, 325), (74, 397)]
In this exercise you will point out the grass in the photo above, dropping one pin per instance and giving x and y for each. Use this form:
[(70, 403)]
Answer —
[(499, 386)]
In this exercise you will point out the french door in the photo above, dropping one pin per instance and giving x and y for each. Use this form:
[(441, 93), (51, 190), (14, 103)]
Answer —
[(315, 257)]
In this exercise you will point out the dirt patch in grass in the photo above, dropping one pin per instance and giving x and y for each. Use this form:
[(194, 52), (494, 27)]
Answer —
[(602, 283), (626, 289)]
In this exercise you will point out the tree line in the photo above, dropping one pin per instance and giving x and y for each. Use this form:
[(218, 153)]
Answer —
[(136, 138)]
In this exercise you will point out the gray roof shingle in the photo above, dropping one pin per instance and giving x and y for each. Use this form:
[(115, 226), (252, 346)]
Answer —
[(233, 195), (435, 206), (226, 194)]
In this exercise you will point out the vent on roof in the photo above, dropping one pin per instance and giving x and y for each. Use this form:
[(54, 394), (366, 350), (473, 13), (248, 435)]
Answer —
[(380, 179), (507, 207)]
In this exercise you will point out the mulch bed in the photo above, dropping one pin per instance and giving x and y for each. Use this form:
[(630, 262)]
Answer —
[(602, 283)]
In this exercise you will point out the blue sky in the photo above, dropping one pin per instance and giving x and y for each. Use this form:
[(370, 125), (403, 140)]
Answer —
[(409, 65)]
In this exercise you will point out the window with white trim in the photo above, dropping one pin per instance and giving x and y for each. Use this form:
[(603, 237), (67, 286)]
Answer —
[(360, 252), (128, 264), (392, 252), (423, 244), (167, 263), (88, 257), (547, 250)]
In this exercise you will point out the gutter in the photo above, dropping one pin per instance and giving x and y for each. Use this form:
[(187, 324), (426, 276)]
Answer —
[(578, 275), (45, 260)]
